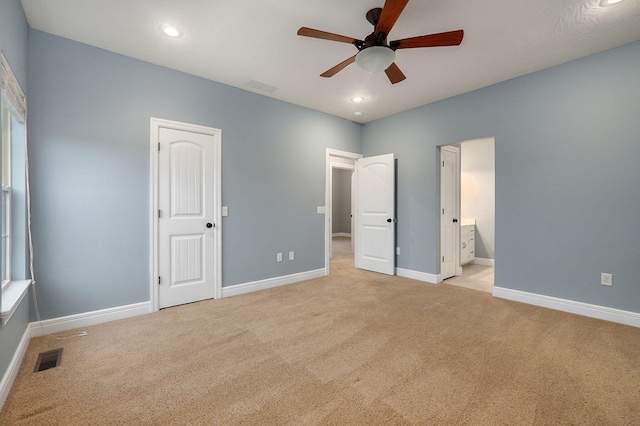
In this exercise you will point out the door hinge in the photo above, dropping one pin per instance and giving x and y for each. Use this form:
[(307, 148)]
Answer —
[(159, 213), (158, 280), (443, 258), (442, 161), (158, 146)]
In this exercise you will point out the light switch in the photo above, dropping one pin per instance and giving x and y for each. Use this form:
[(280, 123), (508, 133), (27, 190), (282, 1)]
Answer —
[(320, 210), (225, 211)]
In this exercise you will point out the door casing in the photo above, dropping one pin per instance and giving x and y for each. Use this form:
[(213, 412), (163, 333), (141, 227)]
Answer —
[(155, 125)]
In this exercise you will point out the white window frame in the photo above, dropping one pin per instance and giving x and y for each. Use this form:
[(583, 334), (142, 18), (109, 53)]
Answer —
[(6, 216), (13, 291), (7, 113)]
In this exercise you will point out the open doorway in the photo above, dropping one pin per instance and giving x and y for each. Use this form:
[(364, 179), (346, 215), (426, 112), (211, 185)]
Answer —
[(342, 206), (373, 207), (339, 205), (476, 237)]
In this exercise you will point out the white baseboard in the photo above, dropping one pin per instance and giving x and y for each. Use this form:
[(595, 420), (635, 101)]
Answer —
[(14, 366), (237, 289), (86, 319), (415, 275), (586, 309), (483, 261), (341, 234)]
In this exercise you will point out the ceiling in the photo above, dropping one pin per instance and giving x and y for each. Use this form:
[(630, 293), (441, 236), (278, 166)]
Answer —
[(253, 45)]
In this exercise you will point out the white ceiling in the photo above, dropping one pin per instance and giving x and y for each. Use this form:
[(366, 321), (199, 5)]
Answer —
[(235, 42)]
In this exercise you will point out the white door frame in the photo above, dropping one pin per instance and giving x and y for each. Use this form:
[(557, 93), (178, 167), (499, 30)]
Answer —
[(327, 199), (456, 214), (155, 125)]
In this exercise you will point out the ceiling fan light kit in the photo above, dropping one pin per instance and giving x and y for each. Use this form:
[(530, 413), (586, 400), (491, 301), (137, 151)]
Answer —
[(375, 54), (375, 58)]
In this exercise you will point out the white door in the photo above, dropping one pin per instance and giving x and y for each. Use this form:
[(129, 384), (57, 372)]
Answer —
[(188, 197), (375, 217), (449, 208)]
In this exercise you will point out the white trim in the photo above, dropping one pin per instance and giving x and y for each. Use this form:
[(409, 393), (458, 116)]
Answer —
[(416, 275), (565, 305), (86, 319), (153, 208), (7, 207), (341, 234), (327, 197), (14, 366), (12, 294), (154, 137), (238, 289), (484, 262)]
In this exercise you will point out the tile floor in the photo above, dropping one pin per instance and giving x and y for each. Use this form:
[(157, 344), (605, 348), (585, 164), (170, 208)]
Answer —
[(476, 277)]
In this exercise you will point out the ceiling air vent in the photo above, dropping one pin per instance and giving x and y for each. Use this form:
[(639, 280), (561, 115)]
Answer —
[(263, 87)]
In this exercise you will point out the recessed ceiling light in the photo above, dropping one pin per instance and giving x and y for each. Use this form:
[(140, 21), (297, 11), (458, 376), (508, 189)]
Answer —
[(357, 113), (357, 99), (605, 3), (171, 31)]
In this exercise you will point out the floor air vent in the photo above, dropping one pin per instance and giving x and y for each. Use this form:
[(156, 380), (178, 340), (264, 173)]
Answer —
[(47, 360)]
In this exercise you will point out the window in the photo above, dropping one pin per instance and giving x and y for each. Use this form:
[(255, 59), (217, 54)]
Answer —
[(13, 202), (6, 190)]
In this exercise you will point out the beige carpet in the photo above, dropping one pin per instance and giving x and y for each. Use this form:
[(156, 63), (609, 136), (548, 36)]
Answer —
[(352, 348)]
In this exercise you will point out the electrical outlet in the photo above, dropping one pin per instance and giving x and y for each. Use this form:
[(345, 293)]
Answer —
[(279, 257), (291, 255), (606, 279), (225, 211), (398, 251)]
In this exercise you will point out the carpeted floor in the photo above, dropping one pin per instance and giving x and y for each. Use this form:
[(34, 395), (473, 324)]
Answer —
[(352, 348)]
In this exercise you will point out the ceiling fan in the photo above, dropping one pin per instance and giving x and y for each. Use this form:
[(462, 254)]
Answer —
[(375, 54)]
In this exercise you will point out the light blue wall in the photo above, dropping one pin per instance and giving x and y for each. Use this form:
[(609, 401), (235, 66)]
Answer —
[(14, 38), (567, 143), (89, 138), (341, 201)]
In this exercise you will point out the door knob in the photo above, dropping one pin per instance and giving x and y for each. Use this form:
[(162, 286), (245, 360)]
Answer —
[(389, 220), (209, 225), (455, 220)]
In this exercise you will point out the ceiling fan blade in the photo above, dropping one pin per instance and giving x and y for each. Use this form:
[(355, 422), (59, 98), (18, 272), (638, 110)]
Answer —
[(451, 38), (342, 65), (390, 14), (394, 74), (310, 32)]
